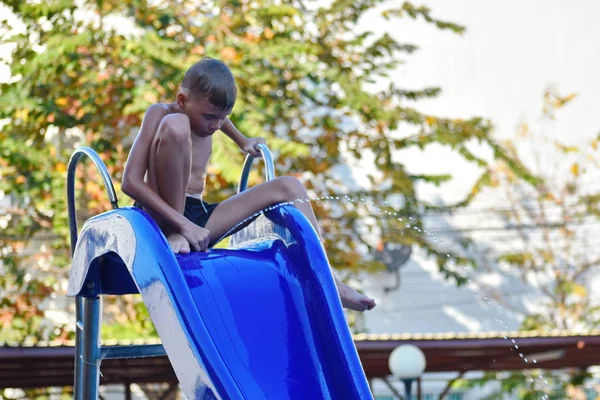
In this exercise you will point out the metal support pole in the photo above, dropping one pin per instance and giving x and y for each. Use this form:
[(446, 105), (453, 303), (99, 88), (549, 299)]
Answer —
[(132, 351), (78, 387), (128, 391), (408, 388), (91, 348)]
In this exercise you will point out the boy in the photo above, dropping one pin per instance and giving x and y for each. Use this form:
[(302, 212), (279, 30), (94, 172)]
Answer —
[(166, 168)]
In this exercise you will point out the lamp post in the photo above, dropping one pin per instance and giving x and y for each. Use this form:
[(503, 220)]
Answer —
[(407, 362)]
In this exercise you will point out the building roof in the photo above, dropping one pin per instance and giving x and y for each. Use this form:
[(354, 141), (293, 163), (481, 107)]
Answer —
[(485, 351), (51, 364)]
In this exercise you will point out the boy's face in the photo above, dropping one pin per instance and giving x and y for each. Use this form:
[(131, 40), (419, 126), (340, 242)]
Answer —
[(205, 118)]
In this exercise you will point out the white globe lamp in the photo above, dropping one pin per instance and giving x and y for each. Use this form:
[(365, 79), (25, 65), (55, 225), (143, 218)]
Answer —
[(407, 362)]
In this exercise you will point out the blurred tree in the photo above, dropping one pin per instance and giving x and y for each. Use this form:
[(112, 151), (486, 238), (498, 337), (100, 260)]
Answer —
[(554, 250), (83, 73), (559, 256)]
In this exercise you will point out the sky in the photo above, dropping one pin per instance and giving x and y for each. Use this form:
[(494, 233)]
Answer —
[(511, 52)]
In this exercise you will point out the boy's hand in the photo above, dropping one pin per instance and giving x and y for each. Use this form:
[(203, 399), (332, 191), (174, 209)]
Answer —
[(197, 236), (249, 146)]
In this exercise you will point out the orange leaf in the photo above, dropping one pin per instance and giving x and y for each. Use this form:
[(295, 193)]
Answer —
[(61, 101), (102, 76), (269, 34), (199, 50), (228, 53), (6, 319)]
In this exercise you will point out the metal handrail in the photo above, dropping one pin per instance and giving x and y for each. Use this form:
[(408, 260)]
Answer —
[(112, 195), (269, 167)]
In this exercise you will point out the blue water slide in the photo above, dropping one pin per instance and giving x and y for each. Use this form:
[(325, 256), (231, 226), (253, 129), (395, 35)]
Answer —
[(259, 320)]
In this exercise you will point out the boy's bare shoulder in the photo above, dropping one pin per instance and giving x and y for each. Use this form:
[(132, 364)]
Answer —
[(158, 110)]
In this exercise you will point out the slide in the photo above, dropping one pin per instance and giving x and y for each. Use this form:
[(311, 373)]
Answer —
[(258, 320)]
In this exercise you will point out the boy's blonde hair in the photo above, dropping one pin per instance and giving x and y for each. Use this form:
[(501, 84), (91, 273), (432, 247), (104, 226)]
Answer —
[(211, 79)]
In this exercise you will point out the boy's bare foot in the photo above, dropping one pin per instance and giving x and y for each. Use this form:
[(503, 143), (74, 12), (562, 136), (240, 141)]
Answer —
[(352, 299), (178, 243)]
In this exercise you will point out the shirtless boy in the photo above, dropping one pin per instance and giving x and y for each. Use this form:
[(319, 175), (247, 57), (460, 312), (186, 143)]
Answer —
[(166, 168)]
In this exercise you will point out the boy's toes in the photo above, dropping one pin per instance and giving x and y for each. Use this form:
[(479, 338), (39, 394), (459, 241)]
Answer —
[(185, 248), (371, 304)]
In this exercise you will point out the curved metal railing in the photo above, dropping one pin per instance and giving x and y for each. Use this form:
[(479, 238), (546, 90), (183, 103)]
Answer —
[(112, 195), (269, 167)]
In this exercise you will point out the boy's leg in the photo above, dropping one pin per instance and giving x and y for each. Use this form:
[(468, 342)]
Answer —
[(169, 165), (237, 208)]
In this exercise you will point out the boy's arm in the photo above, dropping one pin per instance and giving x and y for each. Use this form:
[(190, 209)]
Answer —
[(234, 134), (133, 183), (244, 143)]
